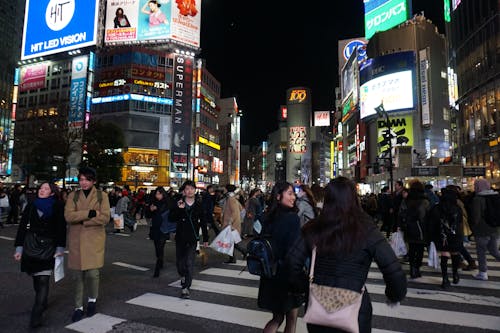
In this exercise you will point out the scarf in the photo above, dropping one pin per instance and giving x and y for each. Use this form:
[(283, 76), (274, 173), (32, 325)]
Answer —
[(45, 205)]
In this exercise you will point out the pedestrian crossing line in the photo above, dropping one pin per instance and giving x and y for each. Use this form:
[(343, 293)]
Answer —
[(212, 311), (426, 268), (469, 283), (98, 323), (120, 234), (431, 295), (381, 309), (7, 238), (139, 268)]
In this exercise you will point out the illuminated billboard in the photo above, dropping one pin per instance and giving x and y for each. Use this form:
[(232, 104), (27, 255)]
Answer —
[(52, 26), (390, 80), (153, 20), (33, 77), (381, 15), (347, 47), (298, 140), (401, 134), (394, 90)]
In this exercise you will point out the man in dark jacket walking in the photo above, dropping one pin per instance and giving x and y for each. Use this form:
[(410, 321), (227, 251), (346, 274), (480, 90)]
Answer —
[(188, 214)]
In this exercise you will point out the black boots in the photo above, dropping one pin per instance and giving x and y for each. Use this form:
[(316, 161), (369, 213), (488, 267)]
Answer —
[(231, 260), (158, 267), (444, 272), (41, 286), (455, 263)]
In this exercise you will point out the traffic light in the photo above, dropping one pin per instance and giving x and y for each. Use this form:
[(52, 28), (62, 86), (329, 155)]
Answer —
[(376, 168)]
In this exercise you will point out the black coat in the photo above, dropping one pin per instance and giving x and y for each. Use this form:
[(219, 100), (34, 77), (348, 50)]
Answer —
[(157, 219), (446, 227), (55, 228), (350, 271), (283, 229), (189, 221)]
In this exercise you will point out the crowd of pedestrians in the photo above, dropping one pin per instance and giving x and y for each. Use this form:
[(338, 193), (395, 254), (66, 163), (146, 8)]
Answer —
[(342, 231)]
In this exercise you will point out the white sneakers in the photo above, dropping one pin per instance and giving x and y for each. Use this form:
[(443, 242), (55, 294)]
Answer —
[(481, 276), (185, 293)]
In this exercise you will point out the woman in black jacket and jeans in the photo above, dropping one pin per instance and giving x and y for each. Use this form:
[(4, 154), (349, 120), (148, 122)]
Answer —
[(346, 241), (44, 216)]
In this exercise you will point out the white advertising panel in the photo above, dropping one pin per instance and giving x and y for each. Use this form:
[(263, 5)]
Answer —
[(153, 20), (52, 26), (424, 88), (394, 90), (321, 118)]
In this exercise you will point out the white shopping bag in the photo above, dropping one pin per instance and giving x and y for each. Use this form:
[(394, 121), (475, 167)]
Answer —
[(236, 236), (398, 244), (59, 268), (119, 221), (224, 242), (433, 260)]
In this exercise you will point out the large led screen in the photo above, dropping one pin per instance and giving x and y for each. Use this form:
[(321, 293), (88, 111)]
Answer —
[(381, 15), (394, 90), (52, 26), (153, 20)]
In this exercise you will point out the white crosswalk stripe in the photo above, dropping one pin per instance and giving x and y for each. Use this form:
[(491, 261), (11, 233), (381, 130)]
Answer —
[(230, 282)]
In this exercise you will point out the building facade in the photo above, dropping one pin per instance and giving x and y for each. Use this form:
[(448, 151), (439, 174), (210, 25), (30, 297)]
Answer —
[(473, 30)]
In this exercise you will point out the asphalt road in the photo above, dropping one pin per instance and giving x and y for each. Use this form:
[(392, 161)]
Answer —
[(223, 299)]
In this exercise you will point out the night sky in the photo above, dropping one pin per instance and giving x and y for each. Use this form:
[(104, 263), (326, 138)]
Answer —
[(257, 50)]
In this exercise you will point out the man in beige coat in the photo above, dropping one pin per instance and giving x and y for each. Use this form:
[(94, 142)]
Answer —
[(87, 213)]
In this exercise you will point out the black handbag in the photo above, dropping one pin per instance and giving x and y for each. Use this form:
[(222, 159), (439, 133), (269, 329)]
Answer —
[(37, 246)]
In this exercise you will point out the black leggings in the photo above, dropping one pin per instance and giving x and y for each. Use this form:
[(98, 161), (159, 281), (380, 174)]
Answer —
[(415, 254)]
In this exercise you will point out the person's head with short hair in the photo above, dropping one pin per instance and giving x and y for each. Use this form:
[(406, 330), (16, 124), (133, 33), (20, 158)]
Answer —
[(87, 177), (211, 189), (384, 189), (230, 188), (399, 185), (188, 189)]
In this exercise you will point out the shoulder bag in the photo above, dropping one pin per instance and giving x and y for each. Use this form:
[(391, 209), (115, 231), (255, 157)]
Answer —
[(37, 246), (331, 306)]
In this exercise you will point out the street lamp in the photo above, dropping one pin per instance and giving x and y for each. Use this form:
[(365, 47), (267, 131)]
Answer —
[(381, 112)]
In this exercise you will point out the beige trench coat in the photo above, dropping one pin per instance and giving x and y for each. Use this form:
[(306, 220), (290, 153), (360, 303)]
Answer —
[(231, 214), (86, 236)]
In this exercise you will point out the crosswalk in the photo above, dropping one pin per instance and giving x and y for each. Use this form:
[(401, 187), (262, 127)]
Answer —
[(228, 295)]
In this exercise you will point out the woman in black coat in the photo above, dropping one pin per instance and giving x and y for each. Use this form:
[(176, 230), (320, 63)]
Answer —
[(446, 231), (44, 216), (283, 225), (346, 241), (158, 208)]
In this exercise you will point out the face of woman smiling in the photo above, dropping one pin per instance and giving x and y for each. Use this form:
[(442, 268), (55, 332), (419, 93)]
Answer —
[(288, 198)]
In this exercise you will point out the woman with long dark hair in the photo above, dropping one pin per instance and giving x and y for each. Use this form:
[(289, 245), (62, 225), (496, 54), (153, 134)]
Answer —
[(346, 242), (281, 223), (45, 217), (158, 206)]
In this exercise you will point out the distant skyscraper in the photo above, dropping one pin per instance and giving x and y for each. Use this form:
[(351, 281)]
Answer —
[(10, 38)]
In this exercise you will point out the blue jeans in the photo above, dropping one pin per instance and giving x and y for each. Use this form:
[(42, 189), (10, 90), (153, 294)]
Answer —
[(489, 243)]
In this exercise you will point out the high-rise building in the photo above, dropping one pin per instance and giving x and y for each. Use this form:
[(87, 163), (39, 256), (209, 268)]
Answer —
[(10, 39), (407, 75), (474, 68), (122, 67)]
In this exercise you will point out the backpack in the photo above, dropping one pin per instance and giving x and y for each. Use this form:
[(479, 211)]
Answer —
[(77, 194), (492, 211), (260, 258)]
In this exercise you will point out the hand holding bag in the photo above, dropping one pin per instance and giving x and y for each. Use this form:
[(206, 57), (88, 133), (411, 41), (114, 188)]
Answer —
[(224, 242), (332, 307)]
